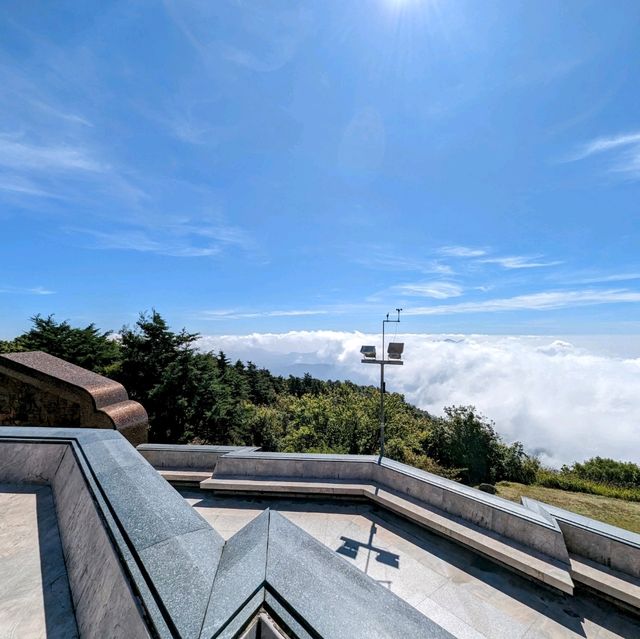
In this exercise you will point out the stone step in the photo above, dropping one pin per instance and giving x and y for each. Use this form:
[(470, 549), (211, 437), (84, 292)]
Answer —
[(185, 476), (526, 561), (609, 582)]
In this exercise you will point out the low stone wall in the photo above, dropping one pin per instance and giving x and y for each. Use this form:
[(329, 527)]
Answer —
[(37, 388)]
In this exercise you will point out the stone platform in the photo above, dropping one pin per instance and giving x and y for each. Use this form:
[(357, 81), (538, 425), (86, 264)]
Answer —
[(466, 594)]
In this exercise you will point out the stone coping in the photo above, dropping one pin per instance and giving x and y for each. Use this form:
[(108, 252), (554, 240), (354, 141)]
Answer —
[(194, 585)]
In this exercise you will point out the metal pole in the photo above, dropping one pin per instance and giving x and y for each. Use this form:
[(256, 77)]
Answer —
[(382, 395), (381, 411)]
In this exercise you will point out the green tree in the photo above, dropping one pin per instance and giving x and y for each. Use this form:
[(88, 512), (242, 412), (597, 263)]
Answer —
[(88, 347), (468, 441), (181, 389), (9, 346)]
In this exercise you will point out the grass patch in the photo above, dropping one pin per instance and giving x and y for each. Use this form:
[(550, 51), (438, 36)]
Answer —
[(617, 512)]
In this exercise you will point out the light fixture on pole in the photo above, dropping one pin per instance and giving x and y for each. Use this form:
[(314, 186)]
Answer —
[(394, 357)]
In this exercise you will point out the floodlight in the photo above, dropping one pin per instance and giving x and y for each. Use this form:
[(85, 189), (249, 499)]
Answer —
[(369, 351), (395, 350)]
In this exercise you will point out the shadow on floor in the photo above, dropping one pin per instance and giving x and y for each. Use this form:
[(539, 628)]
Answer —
[(350, 548)]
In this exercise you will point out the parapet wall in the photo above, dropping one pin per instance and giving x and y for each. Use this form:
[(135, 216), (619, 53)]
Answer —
[(37, 388)]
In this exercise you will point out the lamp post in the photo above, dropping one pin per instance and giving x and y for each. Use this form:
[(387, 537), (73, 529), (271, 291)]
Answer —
[(394, 357)]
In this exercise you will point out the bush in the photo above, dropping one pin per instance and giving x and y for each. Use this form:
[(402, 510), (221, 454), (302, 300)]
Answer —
[(467, 441), (564, 480), (606, 471)]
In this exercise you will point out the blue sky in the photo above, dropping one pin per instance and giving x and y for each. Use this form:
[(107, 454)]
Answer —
[(273, 166)]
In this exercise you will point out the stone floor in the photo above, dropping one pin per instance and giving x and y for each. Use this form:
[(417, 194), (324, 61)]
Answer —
[(463, 592), (34, 592)]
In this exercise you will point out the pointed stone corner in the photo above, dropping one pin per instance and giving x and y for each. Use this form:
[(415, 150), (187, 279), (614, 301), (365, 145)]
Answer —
[(239, 579), (37, 388), (335, 598)]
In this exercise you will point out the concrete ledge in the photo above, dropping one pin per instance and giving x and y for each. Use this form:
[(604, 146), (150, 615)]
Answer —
[(184, 476), (611, 583), (99, 588)]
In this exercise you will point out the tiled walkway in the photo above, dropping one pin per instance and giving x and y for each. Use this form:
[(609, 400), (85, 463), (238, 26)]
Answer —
[(34, 593), (466, 594)]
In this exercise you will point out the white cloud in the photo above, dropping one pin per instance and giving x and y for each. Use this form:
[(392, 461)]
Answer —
[(437, 290), (21, 186), (625, 149), (615, 277), (461, 251), (16, 154), (377, 258), (564, 401), (225, 314), (518, 261), (36, 290), (176, 238), (543, 301), (607, 143)]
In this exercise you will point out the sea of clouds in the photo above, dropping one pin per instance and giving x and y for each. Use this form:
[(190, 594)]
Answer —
[(564, 399)]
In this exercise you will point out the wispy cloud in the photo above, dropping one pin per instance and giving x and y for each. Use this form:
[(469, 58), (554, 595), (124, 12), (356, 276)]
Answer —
[(625, 149), (19, 155), (606, 144), (519, 261), (21, 186), (49, 109), (36, 290), (461, 251), (615, 277), (547, 300), (225, 314), (374, 258), (172, 238), (436, 290)]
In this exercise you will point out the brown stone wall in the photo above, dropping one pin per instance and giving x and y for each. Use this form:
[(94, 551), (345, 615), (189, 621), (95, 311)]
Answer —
[(22, 404), (38, 389)]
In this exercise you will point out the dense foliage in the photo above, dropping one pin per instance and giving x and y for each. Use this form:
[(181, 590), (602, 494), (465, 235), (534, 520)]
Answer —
[(606, 471), (192, 396), (87, 347)]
